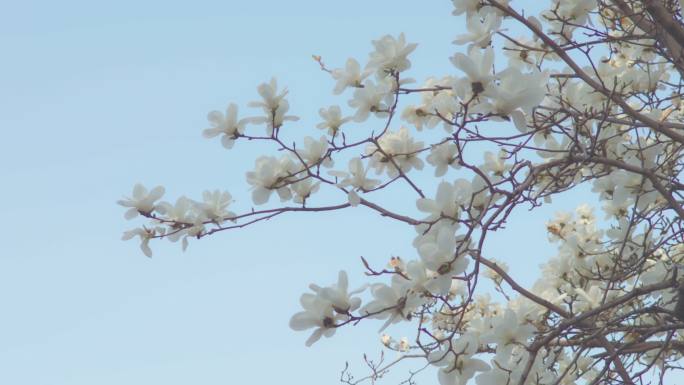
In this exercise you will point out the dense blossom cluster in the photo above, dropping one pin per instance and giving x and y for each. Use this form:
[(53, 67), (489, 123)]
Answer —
[(589, 93)]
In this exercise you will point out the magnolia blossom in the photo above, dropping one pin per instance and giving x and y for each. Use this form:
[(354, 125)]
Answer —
[(390, 55), (145, 235), (274, 106), (443, 252), (480, 32), (349, 76), (303, 189), (332, 119), (269, 175), (508, 330), (448, 201), (469, 7), (443, 156), (457, 366), (372, 97), (141, 200), (226, 125), (495, 164), (327, 306), (356, 177), (478, 66), (398, 146), (316, 151), (215, 205), (516, 93), (394, 303)]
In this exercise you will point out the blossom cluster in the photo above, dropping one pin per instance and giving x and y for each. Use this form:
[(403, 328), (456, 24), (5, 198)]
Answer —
[(588, 95)]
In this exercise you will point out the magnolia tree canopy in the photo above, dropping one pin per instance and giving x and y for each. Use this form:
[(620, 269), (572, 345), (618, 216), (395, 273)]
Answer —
[(582, 93)]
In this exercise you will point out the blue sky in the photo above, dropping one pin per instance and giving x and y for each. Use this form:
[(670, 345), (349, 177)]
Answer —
[(95, 97)]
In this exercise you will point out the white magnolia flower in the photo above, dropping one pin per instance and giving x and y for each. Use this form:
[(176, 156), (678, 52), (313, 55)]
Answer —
[(215, 205), (426, 281), (339, 295), (372, 97), (447, 201), (270, 175), (271, 98), (469, 7), (495, 376), (457, 366), (318, 313), (227, 125), (495, 164), (394, 303), (349, 76), (519, 56), (508, 330), (181, 212), (141, 201), (443, 156), (332, 119), (516, 93), (356, 177), (325, 308), (592, 298), (477, 66), (400, 147), (303, 189), (274, 106), (438, 248), (577, 11), (480, 31), (314, 151), (145, 235), (390, 55)]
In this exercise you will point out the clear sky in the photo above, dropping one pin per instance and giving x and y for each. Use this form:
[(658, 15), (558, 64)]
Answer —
[(97, 96)]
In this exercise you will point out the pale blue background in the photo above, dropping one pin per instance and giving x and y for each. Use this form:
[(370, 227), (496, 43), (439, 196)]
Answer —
[(96, 96)]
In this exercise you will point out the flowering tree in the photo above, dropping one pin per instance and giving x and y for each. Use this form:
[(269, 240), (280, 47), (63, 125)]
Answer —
[(585, 92)]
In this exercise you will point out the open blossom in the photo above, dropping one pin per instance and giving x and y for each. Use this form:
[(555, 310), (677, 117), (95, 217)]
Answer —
[(469, 7), (303, 189), (324, 308), (181, 212), (447, 202), (443, 156), (315, 151), (508, 330), (356, 177), (274, 106), (398, 146), (372, 97), (269, 175), (145, 235), (394, 303), (349, 76), (437, 250), (226, 125), (456, 364), (215, 205), (495, 164), (477, 66), (480, 32), (332, 119), (390, 55), (514, 94), (141, 201)]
